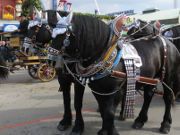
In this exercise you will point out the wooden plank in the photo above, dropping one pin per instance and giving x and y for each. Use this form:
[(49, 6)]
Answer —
[(142, 79), (21, 54), (31, 63), (34, 58)]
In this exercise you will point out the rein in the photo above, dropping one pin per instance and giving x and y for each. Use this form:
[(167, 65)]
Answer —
[(176, 38), (139, 30)]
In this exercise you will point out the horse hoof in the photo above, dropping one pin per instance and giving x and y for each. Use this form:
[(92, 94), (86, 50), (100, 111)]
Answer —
[(76, 133), (104, 132), (121, 118), (61, 127), (137, 125), (165, 128), (77, 130)]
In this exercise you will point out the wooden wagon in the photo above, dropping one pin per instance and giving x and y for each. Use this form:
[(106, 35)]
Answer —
[(38, 67)]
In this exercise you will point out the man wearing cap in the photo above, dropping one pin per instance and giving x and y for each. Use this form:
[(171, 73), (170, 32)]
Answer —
[(23, 26)]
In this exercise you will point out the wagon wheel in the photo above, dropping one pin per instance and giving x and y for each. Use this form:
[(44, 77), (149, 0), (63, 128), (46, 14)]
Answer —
[(46, 72), (32, 70)]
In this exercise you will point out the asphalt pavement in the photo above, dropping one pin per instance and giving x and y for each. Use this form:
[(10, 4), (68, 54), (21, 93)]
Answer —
[(30, 107)]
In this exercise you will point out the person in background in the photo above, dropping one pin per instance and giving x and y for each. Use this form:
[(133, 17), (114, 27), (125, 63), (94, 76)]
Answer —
[(22, 30), (23, 26)]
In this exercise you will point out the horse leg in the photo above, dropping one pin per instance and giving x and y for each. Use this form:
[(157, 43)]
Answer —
[(67, 117), (168, 100), (167, 120), (176, 85), (107, 111), (143, 117), (78, 99)]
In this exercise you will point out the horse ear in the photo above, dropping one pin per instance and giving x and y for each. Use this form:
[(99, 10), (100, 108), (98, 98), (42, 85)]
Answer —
[(58, 16), (69, 17)]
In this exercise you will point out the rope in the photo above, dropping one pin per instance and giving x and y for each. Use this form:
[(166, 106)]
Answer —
[(110, 93), (72, 74), (176, 38), (169, 89), (145, 37), (139, 29)]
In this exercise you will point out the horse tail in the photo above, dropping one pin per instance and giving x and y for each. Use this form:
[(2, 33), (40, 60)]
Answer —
[(3, 69)]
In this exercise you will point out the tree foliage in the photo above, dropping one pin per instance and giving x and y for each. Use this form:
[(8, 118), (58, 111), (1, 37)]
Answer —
[(28, 5)]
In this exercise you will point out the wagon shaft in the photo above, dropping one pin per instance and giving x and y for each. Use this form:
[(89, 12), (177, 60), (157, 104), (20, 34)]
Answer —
[(141, 79)]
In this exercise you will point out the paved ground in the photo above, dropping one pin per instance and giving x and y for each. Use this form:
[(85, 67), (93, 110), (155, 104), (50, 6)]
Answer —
[(30, 107)]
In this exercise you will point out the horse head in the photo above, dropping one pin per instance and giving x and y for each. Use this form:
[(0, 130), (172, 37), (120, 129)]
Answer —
[(78, 35), (63, 33), (140, 29)]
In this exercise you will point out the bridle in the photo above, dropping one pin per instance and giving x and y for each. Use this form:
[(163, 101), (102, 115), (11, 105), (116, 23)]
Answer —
[(61, 29)]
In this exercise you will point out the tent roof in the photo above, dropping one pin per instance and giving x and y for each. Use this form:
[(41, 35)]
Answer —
[(158, 15)]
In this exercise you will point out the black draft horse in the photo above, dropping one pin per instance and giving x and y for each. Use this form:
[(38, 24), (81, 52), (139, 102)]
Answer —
[(143, 29), (42, 35), (3, 67), (85, 39)]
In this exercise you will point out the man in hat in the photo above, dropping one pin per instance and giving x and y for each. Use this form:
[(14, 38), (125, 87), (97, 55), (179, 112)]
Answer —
[(23, 26)]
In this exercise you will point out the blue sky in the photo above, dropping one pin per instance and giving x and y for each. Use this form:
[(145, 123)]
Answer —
[(108, 6)]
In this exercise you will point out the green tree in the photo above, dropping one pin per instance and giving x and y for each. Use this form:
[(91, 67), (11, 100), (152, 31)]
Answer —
[(27, 6)]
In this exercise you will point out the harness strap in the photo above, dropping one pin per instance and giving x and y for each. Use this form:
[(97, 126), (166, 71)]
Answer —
[(165, 58)]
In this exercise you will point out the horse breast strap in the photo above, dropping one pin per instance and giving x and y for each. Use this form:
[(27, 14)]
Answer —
[(104, 63)]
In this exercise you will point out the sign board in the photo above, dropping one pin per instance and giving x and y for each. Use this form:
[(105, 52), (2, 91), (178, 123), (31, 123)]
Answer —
[(10, 27), (126, 12)]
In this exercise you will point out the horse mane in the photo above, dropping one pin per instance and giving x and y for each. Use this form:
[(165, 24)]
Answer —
[(91, 34)]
